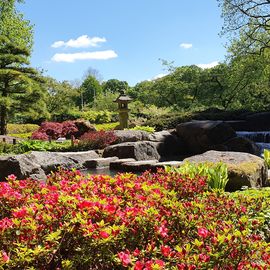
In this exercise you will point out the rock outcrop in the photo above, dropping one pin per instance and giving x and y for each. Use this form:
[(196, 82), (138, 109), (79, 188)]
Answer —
[(123, 136), (141, 150), (243, 169), (201, 136), (37, 165)]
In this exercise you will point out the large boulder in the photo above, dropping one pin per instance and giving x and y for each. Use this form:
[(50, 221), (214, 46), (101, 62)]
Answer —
[(243, 169), (169, 144), (21, 166), (123, 136), (240, 144), (200, 136), (80, 157), (83, 126), (51, 162), (258, 121), (141, 150)]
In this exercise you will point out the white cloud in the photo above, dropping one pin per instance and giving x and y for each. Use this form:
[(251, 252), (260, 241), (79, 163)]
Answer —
[(210, 65), (81, 42), (186, 45), (72, 57)]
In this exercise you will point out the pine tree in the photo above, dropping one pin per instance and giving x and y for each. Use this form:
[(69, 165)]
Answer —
[(19, 84)]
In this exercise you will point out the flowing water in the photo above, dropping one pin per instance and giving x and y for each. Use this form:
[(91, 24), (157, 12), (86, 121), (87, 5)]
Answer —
[(261, 138)]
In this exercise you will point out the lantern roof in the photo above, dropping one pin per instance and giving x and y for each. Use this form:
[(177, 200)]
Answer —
[(123, 97)]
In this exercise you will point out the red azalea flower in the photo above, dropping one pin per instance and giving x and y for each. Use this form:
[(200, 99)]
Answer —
[(104, 234), (165, 250), (136, 252), (20, 213), (204, 258), (138, 265)]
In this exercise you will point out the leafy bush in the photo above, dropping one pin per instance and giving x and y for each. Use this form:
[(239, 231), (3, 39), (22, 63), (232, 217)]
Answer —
[(216, 174), (144, 128), (21, 135), (6, 148), (49, 129), (55, 130), (97, 117), (154, 221), (21, 128), (68, 129), (96, 140), (37, 145), (107, 126), (266, 155)]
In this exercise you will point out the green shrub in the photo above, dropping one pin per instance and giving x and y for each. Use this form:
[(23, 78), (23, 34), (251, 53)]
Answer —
[(21, 128), (144, 128), (37, 145), (266, 155), (21, 135), (106, 126), (216, 174)]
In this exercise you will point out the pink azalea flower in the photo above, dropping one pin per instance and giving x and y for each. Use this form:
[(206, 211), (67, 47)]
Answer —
[(5, 257), (203, 232), (125, 258)]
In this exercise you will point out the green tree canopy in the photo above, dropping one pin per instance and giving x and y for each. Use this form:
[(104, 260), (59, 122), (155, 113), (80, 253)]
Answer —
[(13, 25), (114, 86), (248, 19), (89, 89)]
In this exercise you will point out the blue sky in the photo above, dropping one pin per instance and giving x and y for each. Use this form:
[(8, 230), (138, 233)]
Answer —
[(123, 39)]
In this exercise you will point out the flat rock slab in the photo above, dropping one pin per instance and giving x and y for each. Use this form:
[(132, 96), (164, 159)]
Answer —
[(138, 166), (243, 169), (99, 162), (142, 150), (50, 161), (167, 163), (80, 157), (116, 164)]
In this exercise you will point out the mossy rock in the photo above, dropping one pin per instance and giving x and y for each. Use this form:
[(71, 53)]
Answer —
[(243, 169)]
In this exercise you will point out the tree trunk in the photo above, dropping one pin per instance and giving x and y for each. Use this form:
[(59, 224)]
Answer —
[(3, 112), (3, 120)]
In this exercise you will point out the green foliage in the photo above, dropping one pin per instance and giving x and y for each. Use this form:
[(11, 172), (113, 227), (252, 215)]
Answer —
[(107, 126), (144, 128), (21, 128), (114, 86), (266, 156), (105, 101), (37, 145), (13, 25), (89, 89), (97, 117), (61, 99), (216, 174)]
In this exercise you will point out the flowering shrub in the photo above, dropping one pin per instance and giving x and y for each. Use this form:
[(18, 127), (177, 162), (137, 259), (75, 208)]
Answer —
[(96, 139), (150, 222)]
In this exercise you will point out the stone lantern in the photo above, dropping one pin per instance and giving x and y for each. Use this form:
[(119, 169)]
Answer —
[(123, 109)]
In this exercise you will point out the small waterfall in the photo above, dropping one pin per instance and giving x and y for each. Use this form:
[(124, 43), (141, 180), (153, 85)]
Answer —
[(261, 138)]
